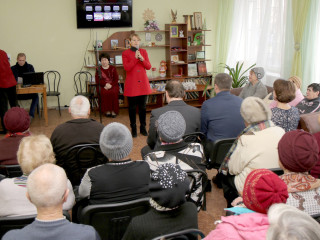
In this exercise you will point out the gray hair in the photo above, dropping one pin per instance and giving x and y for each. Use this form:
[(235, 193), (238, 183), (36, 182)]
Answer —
[(79, 106), (288, 222), (47, 185), (253, 110)]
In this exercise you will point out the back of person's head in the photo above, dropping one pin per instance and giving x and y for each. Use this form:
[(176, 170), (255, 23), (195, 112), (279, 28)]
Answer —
[(296, 81), (223, 81), (116, 141), (253, 110), (169, 185), (263, 188), (34, 151), (285, 90), (288, 222), (79, 107), (315, 87), (175, 89), (16, 120), (47, 186), (298, 151), (171, 126), (259, 72)]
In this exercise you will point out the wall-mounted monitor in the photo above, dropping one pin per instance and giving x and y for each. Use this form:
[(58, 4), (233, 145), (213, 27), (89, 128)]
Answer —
[(104, 13)]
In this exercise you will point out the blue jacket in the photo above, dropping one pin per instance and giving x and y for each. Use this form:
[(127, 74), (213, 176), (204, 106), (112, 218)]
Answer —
[(220, 116)]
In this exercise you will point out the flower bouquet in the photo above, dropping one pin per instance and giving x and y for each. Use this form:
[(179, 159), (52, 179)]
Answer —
[(151, 25)]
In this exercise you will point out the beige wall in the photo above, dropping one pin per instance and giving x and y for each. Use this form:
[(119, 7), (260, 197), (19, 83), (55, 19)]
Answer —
[(46, 31)]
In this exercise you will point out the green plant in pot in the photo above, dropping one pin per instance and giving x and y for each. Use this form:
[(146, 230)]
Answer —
[(238, 78)]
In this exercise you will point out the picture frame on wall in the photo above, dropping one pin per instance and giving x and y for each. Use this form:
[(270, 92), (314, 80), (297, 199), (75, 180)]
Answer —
[(197, 20), (174, 31), (200, 55), (111, 61), (127, 43), (192, 70), (202, 68), (118, 59), (191, 57), (114, 43)]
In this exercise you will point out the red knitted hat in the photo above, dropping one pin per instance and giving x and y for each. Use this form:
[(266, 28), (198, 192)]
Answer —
[(262, 189), (16, 120), (298, 151)]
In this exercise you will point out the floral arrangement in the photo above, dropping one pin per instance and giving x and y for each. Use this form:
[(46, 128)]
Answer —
[(151, 25)]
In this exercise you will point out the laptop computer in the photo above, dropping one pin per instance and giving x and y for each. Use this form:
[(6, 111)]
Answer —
[(33, 78)]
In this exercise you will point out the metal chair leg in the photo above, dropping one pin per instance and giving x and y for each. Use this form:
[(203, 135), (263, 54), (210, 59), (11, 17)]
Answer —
[(59, 105)]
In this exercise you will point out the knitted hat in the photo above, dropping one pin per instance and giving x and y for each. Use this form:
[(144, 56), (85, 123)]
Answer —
[(296, 80), (254, 110), (169, 185), (16, 120), (258, 71), (298, 151), (116, 141), (262, 189), (171, 126)]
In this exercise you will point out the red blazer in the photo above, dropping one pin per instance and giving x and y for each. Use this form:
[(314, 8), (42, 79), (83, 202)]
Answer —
[(137, 82), (7, 79)]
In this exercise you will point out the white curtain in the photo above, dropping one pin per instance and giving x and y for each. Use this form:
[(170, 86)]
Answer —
[(258, 36), (316, 77)]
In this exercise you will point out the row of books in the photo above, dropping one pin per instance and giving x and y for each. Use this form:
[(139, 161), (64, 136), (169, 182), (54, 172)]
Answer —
[(192, 95)]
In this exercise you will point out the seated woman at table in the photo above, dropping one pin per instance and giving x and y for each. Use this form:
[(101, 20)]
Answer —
[(109, 88)]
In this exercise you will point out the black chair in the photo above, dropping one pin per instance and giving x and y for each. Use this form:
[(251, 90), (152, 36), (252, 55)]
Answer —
[(10, 223), (197, 137), (85, 156), (316, 217), (11, 171), (182, 235), (112, 220), (52, 79), (277, 171), (193, 175), (82, 82), (219, 152)]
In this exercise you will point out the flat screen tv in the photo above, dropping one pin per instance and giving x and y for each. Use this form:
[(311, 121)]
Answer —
[(104, 13)]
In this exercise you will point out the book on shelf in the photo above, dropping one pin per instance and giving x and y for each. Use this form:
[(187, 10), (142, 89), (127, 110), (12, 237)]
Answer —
[(202, 68), (192, 70)]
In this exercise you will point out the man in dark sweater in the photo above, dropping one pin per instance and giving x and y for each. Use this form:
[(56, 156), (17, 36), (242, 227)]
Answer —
[(47, 190), (311, 103)]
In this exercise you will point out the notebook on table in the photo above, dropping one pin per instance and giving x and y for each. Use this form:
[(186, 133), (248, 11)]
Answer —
[(32, 78)]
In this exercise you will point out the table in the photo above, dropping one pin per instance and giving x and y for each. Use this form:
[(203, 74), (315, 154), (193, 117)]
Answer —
[(36, 89)]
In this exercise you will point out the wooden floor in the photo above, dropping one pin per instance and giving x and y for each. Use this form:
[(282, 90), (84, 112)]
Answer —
[(215, 200)]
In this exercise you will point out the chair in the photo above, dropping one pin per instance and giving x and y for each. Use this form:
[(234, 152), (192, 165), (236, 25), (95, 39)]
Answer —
[(11, 171), (184, 234), (197, 137), (81, 85), (277, 171), (53, 81), (85, 156), (309, 122), (112, 220), (219, 152), (194, 176), (10, 223)]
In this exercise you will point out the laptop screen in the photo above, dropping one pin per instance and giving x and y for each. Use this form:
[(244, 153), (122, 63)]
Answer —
[(33, 78)]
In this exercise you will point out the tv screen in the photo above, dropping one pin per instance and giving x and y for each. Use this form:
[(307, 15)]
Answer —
[(104, 13)]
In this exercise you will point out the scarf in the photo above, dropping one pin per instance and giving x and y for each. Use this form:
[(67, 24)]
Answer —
[(300, 182), (25, 133), (249, 130)]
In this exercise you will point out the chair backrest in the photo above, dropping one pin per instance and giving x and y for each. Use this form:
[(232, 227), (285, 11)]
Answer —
[(10, 223), (112, 220), (194, 175), (52, 79), (309, 122), (81, 80), (277, 171), (11, 171), (196, 137), (184, 234), (80, 158), (219, 152)]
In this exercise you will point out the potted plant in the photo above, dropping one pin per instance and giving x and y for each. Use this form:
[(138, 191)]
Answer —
[(238, 78)]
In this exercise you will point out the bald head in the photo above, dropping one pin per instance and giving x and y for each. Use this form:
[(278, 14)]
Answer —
[(79, 107), (47, 186)]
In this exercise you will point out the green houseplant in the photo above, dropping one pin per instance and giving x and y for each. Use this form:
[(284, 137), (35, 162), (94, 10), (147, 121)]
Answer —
[(238, 78)]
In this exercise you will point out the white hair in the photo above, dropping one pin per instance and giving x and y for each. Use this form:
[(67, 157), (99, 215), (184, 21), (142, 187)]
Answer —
[(288, 222), (79, 106), (47, 185)]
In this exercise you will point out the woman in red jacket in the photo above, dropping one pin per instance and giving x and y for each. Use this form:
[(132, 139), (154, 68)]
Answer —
[(136, 86)]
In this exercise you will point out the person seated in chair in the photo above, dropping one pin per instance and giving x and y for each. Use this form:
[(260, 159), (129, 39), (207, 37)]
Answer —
[(169, 210), (18, 70), (33, 151), (17, 123), (80, 130), (47, 189), (255, 88), (311, 103), (120, 179)]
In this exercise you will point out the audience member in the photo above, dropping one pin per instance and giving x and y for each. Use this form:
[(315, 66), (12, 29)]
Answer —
[(287, 222), (18, 70), (80, 130), (7, 87), (255, 88), (33, 152), (256, 147), (298, 94), (47, 189), (17, 123), (174, 95), (120, 179), (298, 153), (311, 103), (283, 115), (220, 115), (262, 189), (171, 127), (315, 171), (169, 210)]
